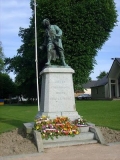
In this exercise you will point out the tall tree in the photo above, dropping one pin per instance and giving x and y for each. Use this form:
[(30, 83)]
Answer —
[(7, 86), (86, 26), (1, 57), (102, 74)]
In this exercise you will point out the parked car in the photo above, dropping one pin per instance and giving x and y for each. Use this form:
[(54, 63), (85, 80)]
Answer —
[(84, 96)]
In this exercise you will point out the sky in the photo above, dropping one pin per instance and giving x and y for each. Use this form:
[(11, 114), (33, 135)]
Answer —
[(15, 14)]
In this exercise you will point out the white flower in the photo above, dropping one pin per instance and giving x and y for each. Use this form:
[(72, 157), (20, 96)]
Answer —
[(38, 122)]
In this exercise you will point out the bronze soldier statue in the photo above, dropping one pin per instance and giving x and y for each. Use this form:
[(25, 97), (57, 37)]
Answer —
[(53, 42)]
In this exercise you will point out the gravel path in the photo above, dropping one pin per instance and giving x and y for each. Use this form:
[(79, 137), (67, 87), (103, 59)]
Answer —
[(15, 142)]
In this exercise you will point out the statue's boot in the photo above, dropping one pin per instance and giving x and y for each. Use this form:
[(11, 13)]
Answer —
[(49, 60), (48, 63), (63, 59), (63, 63)]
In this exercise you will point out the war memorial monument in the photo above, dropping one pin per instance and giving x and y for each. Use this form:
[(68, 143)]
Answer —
[(57, 96)]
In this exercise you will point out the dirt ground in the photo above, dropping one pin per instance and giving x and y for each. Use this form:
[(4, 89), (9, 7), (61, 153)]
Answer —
[(15, 142)]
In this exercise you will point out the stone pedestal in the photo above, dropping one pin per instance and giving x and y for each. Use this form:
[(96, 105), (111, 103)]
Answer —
[(57, 93)]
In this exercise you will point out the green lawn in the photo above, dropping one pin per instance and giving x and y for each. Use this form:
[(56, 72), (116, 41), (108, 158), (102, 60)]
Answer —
[(102, 113), (14, 116)]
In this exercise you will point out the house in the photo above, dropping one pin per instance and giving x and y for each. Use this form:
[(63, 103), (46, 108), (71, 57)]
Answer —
[(109, 85), (87, 86), (78, 92)]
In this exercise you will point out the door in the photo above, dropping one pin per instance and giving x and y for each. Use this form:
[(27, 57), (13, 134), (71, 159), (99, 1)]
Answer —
[(113, 90)]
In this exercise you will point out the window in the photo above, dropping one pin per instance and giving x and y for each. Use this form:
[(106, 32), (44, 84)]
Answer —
[(96, 90), (112, 81)]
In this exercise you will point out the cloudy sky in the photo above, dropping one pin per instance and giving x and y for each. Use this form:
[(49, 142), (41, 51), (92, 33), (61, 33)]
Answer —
[(16, 13)]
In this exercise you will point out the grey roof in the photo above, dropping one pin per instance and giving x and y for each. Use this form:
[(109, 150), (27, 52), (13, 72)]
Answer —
[(89, 84), (118, 59), (115, 59), (101, 82), (104, 80)]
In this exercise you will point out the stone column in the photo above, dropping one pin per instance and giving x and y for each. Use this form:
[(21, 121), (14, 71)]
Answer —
[(117, 88), (57, 93), (109, 81)]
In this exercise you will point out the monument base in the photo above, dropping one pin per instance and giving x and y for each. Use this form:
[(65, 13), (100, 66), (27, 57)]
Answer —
[(57, 93), (71, 115), (88, 135)]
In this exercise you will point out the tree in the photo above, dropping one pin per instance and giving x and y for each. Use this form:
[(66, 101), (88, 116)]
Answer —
[(89, 79), (7, 86), (101, 75), (1, 57), (86, 26)]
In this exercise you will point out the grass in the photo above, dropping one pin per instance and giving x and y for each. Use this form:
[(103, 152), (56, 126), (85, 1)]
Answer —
[(13, 116), (102, 113)]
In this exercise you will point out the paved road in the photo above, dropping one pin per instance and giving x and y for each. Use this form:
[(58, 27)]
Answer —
[(81, 152)]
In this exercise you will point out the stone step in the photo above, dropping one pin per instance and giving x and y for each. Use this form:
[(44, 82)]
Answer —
[(85, 137), (84, 129), (82, 138), (69, 143)]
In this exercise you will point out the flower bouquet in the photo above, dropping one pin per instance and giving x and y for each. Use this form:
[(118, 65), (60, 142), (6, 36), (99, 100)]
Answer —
[(60, 126), (80, 122)]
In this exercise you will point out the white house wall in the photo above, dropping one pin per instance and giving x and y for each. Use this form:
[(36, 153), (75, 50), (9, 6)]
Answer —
[(106, 91), (87, 91)]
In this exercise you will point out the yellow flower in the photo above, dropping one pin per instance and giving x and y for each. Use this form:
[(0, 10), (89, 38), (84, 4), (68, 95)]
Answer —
[(77, 132), (43, 116), (65, 129), (44, 135), (37, 127)]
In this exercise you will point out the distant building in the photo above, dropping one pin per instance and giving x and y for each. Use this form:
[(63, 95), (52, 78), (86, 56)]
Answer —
[(87, 87), (109, 85)]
